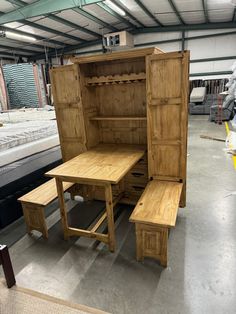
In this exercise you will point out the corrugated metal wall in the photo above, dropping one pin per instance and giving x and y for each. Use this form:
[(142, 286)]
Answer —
[(21, 85)]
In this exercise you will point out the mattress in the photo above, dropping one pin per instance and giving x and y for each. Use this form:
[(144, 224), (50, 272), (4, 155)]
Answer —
[(15, 134), (16, 153), (16, 170), (19, 140)]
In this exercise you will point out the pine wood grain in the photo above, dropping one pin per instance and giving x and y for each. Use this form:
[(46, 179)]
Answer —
[(115, 79), (118, 118), (151, 241), (167, 114), (134, 53), (104, 163), (44, 194), (69, 111), (158, 204), (151, 109)]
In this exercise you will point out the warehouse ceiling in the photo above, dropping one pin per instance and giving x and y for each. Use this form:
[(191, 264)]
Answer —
[(58, 27)]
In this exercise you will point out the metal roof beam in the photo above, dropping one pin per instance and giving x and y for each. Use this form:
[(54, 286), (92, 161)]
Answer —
[(233, 19), (189, 27), (53, 31), (172, 4), (152, 16), (211, 35), (95, 19), (11, 55), (52, 52), (27, 45), (116, 15), (17, 49), (128, 14), (7, 58), (14, 30), (204, 5), (73, 25), (183, 41), (159, 42), (213, 59), (153, 43), (211, 73), (19, 3), (40, 38), (22, 4), (43, 7)]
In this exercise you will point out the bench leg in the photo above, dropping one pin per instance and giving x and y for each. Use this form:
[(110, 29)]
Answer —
[(163, 244), (139, 248), (151, 241), (5, 261), (35, 218)]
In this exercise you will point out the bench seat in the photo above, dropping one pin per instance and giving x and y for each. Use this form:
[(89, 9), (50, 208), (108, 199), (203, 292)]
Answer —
[(34, 202), (154, 214)]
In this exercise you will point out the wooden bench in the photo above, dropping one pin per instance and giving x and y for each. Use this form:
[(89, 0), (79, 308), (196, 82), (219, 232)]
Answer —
[(34, 202), (154, 214)]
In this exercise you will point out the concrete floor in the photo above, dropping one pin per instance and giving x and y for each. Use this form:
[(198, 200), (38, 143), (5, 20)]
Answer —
[(201, 276)]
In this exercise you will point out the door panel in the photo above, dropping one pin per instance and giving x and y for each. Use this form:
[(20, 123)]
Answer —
[(69, 111), (167, 113), (165, 70), (65, 84), (166, 170), (165, 123)]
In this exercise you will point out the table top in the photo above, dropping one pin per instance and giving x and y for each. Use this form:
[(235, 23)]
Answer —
[(103, 163)]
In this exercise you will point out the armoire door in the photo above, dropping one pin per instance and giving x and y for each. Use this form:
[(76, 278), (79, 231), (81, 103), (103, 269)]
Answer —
[(167, 116), (69, 111)]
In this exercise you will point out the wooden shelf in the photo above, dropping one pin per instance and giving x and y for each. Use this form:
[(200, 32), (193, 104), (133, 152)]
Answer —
[(117, 118), (115, 79)]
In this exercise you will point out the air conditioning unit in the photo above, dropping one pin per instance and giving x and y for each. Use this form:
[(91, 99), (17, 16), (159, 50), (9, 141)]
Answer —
[(118, 40)]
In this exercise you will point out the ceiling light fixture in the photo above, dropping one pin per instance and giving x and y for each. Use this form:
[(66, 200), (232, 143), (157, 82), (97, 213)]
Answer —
[(114, 7), (222, 2), (129, 4), (13, 35)]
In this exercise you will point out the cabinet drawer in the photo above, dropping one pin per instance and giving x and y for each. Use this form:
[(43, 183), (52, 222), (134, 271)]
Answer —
[(134, 188), (143, 160), (137, 175)]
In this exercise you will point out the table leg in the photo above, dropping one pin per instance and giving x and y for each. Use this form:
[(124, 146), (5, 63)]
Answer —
[(62, 205), (5, 261), (110, 217)]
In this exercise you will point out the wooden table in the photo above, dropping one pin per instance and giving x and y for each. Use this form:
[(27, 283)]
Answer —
[(104, 165)]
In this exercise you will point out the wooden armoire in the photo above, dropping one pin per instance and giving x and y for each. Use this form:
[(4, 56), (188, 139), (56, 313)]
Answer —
[(135, 97)]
